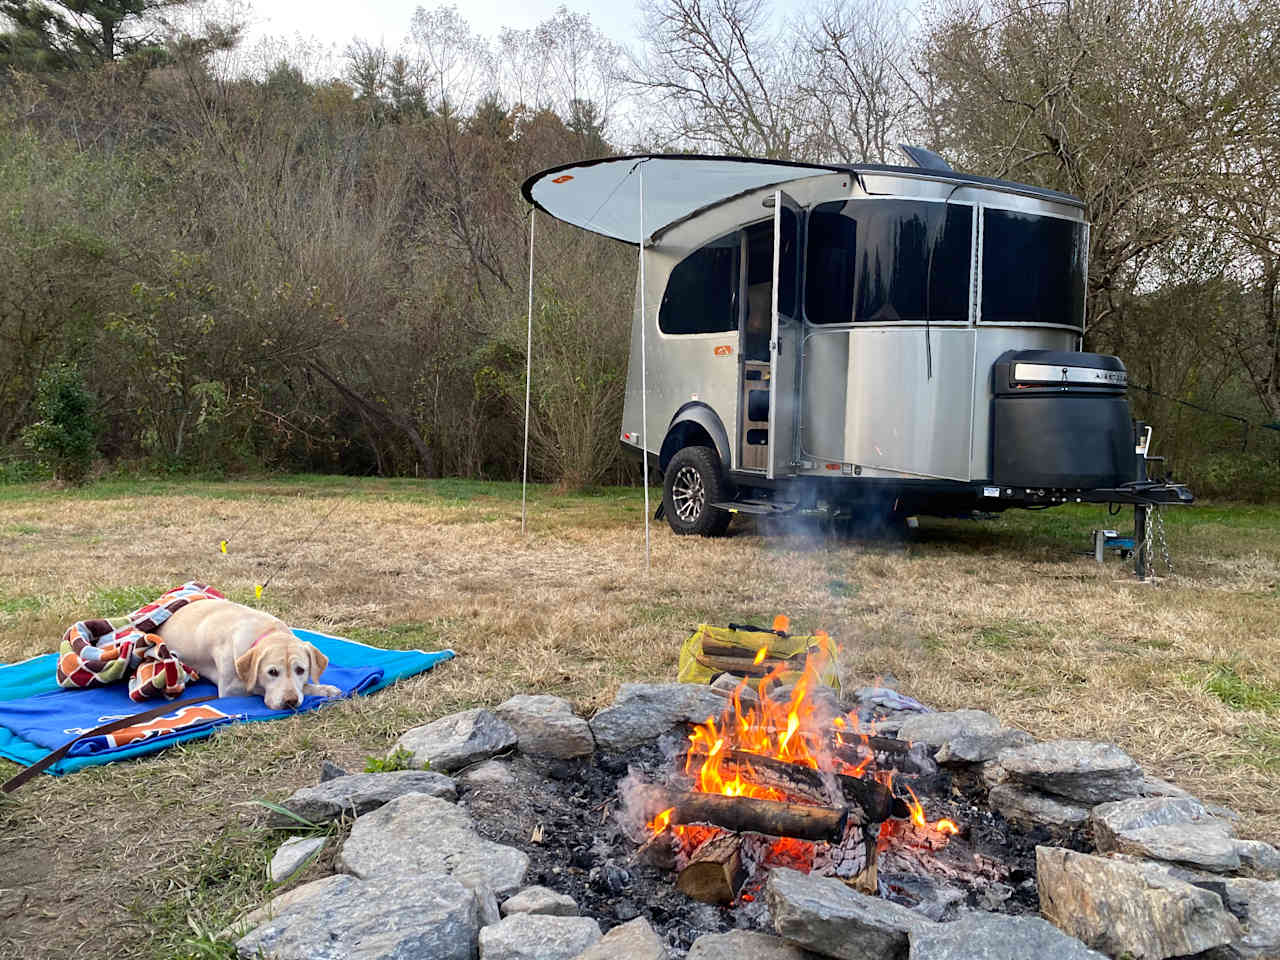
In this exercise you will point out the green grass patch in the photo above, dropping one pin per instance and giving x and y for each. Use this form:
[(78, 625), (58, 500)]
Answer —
[(14, 606), (409, 635), (1261, 748), (118, 601), (1008, 634), (1240, 693)]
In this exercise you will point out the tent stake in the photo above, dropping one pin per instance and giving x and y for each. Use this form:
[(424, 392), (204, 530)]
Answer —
[(644, 381), (528, 379)]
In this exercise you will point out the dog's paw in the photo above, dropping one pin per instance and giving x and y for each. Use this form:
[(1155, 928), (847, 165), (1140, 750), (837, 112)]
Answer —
[(322, 690)]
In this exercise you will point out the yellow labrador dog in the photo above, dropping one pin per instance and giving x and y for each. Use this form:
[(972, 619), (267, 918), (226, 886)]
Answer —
[(246, 651)]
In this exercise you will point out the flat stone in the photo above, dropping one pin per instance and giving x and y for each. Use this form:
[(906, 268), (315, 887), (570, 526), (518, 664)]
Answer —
[(530, 936), (417, 834), (886, 698), (343, 918), (291, 855), (491, 775), (1262, 858), (994, 936), (1155, 787), (936, 729), (1207, 845), (457, 740), (644, 711), (547, 727), (1021, 805), (356, 794), (745, 945), (331, 771), (634, 940), (1110, 820), (1119, 906), (540, 900), (822, 914), (1257, 904), (981, 747), (1081, 770)]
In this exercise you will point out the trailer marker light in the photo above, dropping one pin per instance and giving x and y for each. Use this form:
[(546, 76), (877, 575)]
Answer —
[(833, 466)]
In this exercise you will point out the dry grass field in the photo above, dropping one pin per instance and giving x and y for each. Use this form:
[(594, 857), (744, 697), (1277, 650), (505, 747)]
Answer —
[(1011, 615)]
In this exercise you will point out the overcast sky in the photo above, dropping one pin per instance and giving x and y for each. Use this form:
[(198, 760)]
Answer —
[(387, 21)]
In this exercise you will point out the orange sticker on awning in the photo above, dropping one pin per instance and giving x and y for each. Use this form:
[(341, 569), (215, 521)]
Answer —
[(723, 350), (563, 178)]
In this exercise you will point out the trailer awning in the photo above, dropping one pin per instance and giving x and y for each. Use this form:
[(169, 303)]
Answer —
[(603, 196)]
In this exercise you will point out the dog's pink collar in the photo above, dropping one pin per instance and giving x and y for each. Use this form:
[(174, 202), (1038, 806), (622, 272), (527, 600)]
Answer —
[(269, 631)]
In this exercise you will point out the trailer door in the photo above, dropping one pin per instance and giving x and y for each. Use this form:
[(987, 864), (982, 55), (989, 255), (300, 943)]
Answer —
[(784, 338)]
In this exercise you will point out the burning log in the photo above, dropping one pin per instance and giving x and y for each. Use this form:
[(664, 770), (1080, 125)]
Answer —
[(870, 801), (740, 814), (715, 872)]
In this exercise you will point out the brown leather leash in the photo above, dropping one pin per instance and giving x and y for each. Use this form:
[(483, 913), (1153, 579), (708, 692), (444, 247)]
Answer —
[(25, 774)]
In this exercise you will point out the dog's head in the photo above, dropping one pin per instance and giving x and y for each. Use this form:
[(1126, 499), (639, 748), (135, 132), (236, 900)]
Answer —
[(277, 667)]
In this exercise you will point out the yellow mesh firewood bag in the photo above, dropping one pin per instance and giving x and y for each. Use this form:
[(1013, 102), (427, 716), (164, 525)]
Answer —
[(736, 649)]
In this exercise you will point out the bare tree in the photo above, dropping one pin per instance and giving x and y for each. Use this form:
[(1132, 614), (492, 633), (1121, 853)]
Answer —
[(856, 95)]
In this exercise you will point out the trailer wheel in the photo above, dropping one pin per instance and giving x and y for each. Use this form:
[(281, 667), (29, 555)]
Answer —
[(692, 482)]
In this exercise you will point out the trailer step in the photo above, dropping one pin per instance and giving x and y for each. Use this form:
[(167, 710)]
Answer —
[(773, 508)]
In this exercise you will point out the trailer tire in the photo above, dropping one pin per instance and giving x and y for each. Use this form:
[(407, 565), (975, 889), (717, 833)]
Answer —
[(693, 481)]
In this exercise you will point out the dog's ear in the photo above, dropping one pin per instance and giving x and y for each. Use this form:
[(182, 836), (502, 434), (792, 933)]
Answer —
[(247, 666), (319, 662)]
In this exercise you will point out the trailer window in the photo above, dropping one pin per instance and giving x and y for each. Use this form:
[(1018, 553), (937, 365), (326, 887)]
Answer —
[(877, 261), (702, 293), (1033, 269)]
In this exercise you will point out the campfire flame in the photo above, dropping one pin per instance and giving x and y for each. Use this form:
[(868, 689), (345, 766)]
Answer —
[(791, 731)]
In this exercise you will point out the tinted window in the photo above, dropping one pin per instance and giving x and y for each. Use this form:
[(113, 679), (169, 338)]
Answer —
[(877, 261), (702, 294), (760, 260), (1033, 269)]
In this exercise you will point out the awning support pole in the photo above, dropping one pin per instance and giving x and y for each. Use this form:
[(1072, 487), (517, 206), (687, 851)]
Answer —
[(644, 381), (528, 380)]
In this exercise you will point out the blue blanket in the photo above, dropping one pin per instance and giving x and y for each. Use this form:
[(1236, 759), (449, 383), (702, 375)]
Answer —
[(37, 716)]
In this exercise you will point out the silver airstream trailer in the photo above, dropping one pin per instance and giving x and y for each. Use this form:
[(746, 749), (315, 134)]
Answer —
[(865, 338)]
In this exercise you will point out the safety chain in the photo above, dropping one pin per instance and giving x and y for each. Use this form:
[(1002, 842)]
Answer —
[(1164, 543), (1155, 534)]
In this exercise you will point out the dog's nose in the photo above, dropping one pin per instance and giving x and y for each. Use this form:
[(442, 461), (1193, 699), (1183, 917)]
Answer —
[(291, 702)]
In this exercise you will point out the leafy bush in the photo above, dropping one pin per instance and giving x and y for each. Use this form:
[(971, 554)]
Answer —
[(1238, 476), (65, 438)]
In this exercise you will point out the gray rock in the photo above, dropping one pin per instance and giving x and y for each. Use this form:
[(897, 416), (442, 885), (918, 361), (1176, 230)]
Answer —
[(291, 855), (487, 909), (936, 729), (1110, 820), (1207, 844), (529, 936), (644, 711), (1155, 787), (1261, 858), (492, 775), (417, 834), (547, 727), (993, 773), (1119, 906), (331, 771), (1020, 805), (822, 914), (745, 945), (540, 900), (634, 940), (981, 747), (356, 794), (1257, 904), (342, 918), (1076, 769), (993, 936), (457, 740), (886, 698)]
